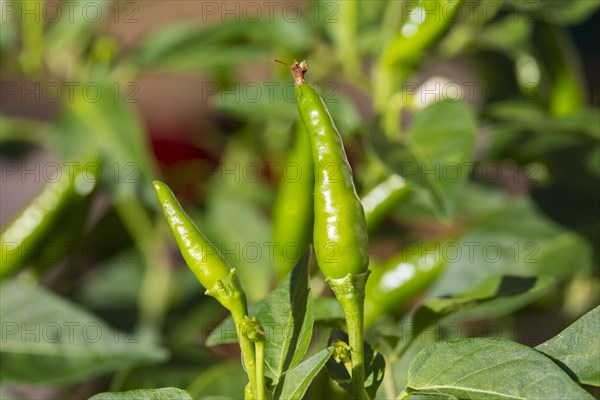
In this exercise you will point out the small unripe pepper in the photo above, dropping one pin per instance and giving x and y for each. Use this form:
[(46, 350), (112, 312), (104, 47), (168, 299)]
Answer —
[(199, 254), (396, 282), (213, 272), (383, 198), (340, 229), (293, 209)]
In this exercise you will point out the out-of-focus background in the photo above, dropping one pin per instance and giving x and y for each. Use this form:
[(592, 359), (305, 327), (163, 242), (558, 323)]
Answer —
[(98, 98)]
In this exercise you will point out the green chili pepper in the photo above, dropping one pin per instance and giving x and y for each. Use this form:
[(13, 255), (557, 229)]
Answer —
[(424, 24), (199, 254), (396, 282), (381, 200), (50, 222), (213, 272), (426, 21), (293, 210), (340, 229), (340, 235)]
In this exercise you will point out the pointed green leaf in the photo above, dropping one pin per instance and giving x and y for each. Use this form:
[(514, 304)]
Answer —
[(435, 153), (145, 394), (577, 348), (46, 339), (499, 290), (508, 236), (328, 309), (287, 318), (295, 382), (488, 369)]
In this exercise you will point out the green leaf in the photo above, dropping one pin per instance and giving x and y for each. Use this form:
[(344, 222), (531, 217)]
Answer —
[(506, 35), (220, 380), (488, 369), (46, 339), (145, 394), (532, 118), (374, 367), (243, 235), (115, 283), (577, 348), (509, 236), (328, 309), (298, 379), (287, 317), (499, 291), (435, 153)]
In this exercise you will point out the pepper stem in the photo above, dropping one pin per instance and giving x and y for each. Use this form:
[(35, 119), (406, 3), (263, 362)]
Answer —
[(350, 292), (229, 293), (298, 70), (260, 369)]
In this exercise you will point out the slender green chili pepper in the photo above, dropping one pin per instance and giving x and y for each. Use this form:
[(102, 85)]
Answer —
[(340, 230), (426, 22), (199, 254), (213, 272), (51, 221), (381, 200), (397, 281), (339, 234), (293, 210)]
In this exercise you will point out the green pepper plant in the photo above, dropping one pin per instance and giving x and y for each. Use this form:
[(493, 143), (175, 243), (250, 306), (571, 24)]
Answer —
[(415, 216)]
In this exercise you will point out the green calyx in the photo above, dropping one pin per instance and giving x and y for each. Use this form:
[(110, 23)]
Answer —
[(228, 291), (350, 293)]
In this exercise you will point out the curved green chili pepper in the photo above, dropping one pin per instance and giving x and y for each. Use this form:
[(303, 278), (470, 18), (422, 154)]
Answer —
[(381, 200), (340, 235), (200, 255), (293, 210), (54, 218), (340, 229), (397, 281), (213, 272)]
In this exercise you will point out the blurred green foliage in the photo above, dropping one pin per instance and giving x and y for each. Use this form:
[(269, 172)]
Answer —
[(482, 107)]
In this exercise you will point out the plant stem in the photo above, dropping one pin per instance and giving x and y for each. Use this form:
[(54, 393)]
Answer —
[(260, 370), (350, 292), (229, 293), (246, 346), (389, 383), (355, 322)]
